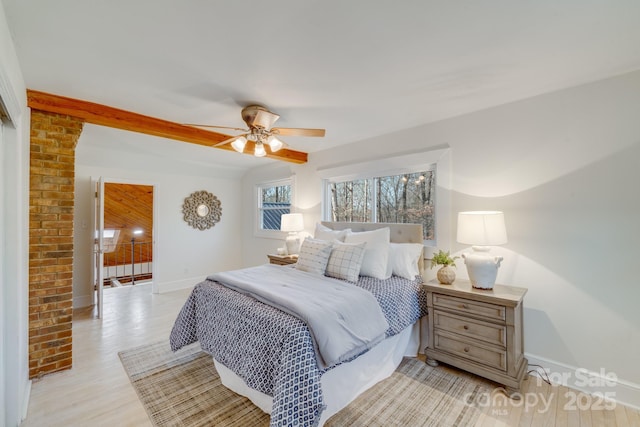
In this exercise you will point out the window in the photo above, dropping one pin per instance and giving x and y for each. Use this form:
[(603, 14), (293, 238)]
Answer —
[(403, 198), (274, 199)]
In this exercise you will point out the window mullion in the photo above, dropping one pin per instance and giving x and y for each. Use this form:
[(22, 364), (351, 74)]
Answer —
[(374, 200)]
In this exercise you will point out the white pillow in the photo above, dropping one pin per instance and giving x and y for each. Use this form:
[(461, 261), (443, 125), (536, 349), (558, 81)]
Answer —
[(345, 261), (404, 259), (376, 255), (313, 256), (325, 233)]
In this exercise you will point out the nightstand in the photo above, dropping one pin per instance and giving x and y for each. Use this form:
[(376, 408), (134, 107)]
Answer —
[(282, 259), (477, 330)]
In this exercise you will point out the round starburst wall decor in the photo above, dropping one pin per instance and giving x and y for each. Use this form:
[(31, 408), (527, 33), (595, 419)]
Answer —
[(202, 210)]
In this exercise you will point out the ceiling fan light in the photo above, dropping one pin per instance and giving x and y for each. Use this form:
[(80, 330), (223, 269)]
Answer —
[(274, 143), (239, 143), (259, 150)]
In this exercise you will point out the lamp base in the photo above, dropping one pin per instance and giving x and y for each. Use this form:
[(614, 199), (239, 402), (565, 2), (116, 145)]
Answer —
[(293, 243), (482, 267)]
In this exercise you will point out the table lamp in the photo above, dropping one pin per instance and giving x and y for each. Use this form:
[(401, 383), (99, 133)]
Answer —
[(482, 229), (293, 224)]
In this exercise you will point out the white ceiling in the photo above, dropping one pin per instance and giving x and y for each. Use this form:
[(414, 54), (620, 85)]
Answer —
[(358, 68)]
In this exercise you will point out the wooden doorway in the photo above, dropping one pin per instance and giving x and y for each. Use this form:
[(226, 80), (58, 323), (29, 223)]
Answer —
[(128, 225)]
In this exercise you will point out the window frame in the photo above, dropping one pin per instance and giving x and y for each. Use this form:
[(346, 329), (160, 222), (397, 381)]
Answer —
[(258, 230), (437, 159)]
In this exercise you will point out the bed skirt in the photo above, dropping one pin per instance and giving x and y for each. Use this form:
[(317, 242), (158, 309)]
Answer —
[(342, 384)]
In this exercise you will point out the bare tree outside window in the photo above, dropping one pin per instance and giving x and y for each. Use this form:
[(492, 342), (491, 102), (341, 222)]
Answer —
[(350, 201), (276, 194), (405, 198)]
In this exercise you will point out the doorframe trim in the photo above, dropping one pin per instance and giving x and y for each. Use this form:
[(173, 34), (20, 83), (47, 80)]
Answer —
[(154, 230)]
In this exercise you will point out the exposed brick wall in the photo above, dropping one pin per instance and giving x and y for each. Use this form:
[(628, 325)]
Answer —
[(51, 200)]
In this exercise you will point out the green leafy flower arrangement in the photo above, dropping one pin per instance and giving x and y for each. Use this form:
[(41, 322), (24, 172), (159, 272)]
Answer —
[(443, 258)]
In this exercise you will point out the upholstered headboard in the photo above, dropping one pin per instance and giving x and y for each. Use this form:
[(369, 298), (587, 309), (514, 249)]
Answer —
[(400, 233)]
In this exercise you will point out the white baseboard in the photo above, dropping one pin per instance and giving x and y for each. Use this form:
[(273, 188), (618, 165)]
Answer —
[(176, 285), (604, 383), (82, 301)]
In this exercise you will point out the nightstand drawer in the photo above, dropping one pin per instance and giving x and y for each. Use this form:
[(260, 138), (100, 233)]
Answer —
[(461, 347), (477, 308), (487, 332)]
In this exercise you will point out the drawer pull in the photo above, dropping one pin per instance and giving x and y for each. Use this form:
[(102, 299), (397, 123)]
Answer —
[(465, 306), (466, 327), (466, 349)]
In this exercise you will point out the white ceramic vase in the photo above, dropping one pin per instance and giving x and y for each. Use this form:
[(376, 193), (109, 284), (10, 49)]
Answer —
[(293, 243), (482, 267)]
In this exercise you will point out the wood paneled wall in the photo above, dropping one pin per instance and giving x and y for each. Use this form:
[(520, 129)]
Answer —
[(128, 207)]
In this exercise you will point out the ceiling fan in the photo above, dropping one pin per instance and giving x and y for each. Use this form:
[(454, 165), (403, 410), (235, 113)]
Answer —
[(260, 121)]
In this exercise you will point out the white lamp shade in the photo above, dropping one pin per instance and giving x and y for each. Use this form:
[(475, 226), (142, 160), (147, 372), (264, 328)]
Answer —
[(274, 143), (481, 228), (259, 150), (291, 222), (239, 143)]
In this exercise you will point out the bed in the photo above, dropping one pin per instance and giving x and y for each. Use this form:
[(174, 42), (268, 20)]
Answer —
[(272, 356)]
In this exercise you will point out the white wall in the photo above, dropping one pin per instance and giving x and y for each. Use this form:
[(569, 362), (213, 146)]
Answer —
[(183, 255), (14, 185), (564, 168)]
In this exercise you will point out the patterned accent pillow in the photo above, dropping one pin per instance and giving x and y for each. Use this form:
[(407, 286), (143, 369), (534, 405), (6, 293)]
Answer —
[(345, 261), (313, 256)]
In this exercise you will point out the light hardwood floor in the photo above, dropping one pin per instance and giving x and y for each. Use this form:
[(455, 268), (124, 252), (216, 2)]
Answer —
[(97, 392)]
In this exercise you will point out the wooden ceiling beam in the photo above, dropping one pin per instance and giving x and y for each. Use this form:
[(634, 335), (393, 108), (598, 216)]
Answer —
[(103, 115)]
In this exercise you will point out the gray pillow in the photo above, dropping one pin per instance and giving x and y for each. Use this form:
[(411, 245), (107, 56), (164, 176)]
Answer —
[(345, 261)]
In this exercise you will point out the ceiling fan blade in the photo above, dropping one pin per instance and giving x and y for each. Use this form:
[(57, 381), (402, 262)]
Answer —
[(298, 132), (213, 126)]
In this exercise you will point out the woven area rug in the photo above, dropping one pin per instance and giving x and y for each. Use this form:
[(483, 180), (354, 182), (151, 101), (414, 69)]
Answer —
[(184, 389)]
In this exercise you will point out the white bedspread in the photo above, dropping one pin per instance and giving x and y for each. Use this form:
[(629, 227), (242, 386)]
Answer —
[(344, 319)]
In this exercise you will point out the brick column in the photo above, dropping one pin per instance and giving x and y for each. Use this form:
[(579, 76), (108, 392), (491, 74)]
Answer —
[(51, 200)]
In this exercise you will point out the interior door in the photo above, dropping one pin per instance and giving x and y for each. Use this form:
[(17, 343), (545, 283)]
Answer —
[(98, 247)]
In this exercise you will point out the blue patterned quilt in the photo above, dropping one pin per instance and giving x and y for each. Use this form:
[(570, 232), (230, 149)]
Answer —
[(272, 351)]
